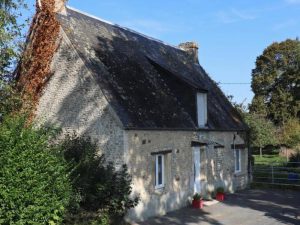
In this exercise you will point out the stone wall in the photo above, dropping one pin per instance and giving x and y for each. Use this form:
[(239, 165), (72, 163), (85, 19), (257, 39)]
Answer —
[(217, 168), (178, 171), (219, 163), (73, 101)]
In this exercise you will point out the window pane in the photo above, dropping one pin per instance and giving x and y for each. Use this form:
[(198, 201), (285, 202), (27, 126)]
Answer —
[(237, 160), (202, 109), (159, 169)]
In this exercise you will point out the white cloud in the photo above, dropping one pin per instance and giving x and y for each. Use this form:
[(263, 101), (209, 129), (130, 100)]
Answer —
[(225, 17), (154, 28), (149, 27), (144, 24), (234, 15), (292, 1), (284, 25), (243, 15)]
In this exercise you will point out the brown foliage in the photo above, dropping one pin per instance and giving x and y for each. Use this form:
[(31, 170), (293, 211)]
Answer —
[(34, 70)]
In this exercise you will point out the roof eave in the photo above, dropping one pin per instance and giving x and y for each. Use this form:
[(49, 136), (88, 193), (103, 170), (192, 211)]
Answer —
[(183, 129)]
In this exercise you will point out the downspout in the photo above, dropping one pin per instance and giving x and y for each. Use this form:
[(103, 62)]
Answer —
[(249, 157), (234, 137), (234, 162), (233, 143)]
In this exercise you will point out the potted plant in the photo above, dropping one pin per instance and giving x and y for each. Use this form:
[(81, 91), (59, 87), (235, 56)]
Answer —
[(220, 196), (197, 201)]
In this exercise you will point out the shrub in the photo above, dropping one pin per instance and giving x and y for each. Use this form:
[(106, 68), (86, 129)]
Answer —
[(102, 220), (290, 133), (10, 100), (34, 183), (294, 159), (213, 194), (99, 186), (220, 190), (82, 217), (197, 197)]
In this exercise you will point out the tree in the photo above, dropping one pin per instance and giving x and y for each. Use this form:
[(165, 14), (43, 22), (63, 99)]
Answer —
[(11, 46), (276, 82), (11, 40), (289, 133), (262, 131), (11, 37)]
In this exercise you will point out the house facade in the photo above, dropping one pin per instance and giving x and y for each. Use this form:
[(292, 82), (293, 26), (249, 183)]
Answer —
[(149, 105)]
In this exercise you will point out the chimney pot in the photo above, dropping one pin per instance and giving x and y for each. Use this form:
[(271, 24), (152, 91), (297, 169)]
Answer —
[(192, 49), (59, 5)]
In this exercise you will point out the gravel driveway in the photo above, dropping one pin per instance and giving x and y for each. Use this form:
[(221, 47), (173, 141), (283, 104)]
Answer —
[(248, 207)]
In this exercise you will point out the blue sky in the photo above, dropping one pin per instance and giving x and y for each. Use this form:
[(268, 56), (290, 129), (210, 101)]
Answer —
[(231, 33)]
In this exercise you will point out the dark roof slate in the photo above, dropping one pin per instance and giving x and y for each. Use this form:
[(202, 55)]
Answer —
[(149, 84)]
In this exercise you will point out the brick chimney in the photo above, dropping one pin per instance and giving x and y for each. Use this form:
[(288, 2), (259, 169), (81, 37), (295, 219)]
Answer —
[(192, 49), (59, 5)]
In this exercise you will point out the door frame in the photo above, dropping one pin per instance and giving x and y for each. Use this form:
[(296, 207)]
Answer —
[(196, 169)]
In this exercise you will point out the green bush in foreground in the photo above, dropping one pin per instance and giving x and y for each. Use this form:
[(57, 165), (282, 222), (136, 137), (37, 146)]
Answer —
[(34, 182), (102, 190)]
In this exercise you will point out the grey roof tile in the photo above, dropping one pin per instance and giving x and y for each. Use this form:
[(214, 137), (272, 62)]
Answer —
[(150, 84)]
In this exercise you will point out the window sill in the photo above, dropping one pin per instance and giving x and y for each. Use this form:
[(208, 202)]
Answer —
[(159, 190), (205, 127), (239, 173), (159, 187)]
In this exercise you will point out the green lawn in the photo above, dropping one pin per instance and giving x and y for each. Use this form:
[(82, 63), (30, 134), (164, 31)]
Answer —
[(269, 159), (263, 170)]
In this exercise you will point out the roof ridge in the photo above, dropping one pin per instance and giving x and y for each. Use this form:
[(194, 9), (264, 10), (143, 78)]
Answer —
[(124, 28)]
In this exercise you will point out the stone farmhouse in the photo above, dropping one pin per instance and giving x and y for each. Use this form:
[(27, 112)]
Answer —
[(147, 104)]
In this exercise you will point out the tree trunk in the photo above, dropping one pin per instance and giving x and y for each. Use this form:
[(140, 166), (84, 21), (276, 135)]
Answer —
[(260, 151)]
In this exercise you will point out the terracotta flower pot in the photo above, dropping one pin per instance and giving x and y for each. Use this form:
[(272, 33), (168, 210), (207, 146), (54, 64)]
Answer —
[(197, 204), (220, 197)]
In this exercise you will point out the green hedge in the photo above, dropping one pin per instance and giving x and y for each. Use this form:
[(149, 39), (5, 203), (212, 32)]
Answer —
[(69, 183), (35, 187)]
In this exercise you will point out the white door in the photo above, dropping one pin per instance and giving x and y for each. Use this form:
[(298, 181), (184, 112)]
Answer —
[(197, 185)]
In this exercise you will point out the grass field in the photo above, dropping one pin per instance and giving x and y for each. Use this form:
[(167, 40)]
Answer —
[(273, 169), (269, 159)]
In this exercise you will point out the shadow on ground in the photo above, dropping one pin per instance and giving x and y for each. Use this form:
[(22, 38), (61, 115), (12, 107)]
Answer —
[(282, 206), (183, 216), (248, 207)]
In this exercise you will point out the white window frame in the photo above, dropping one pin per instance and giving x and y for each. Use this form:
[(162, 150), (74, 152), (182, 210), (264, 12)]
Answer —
[(157, 186), (202, 109), (235, 158)]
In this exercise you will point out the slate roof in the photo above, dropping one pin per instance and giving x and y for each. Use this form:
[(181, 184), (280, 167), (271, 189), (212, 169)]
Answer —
[(149, 84)]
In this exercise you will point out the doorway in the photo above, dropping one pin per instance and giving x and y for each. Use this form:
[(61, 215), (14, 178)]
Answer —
[(196, 156)]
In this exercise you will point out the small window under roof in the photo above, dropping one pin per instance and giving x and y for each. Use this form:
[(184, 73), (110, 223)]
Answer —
[(202, 109)]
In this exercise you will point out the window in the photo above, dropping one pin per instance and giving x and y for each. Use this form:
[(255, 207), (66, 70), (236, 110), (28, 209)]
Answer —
[(202, 109), (159, 171), (237, 159)]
